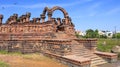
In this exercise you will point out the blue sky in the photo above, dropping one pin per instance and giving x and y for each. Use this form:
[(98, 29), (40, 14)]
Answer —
[(85, 14)]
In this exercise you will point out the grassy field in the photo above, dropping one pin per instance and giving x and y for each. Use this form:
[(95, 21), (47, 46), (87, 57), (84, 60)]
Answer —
[(107, 44)]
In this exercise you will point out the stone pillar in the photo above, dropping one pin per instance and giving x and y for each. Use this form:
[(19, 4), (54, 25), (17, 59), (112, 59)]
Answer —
[(34, 20), (66, 19), (63, 21), (24, 18), (58, 21), (11, 19), (15, 17), (21, 21), (28, 16), (70, 21), (42, 18), (38, 20), (54, 20), (1, 18), (49, 16), (8, 21)]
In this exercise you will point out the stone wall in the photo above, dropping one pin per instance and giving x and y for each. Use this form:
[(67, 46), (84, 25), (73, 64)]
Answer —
[(59, 47), (90, 44)]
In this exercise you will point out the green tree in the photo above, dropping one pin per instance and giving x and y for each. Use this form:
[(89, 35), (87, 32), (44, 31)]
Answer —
[(96, 33), (103, 36), (117, 35), (92, 33), (89, 33)]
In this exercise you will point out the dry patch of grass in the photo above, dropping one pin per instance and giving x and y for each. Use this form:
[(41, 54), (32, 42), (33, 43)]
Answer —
[(29, 60), (3, 64)]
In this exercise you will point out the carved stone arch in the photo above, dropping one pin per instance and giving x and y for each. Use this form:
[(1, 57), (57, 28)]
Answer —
[(66, 16), (46, 9), (61, 9)]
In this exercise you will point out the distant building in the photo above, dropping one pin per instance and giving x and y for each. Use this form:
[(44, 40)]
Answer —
[(109, 34), (81, 33)]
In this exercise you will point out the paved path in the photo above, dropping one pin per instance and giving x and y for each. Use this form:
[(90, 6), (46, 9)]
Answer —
[(117, 64)]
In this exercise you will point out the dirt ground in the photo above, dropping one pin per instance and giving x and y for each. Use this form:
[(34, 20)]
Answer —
[(31, 60)]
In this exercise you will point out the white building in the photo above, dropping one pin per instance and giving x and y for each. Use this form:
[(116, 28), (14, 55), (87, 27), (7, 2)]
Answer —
[(105, 33), (81, 33)]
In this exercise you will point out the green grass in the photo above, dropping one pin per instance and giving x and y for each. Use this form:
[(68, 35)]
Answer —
[(10, 53), (3, 52), (106, 45), (110, 43), (3, 64)]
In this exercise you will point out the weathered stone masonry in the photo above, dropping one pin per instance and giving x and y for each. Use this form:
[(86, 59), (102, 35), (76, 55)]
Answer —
[(54, 38)]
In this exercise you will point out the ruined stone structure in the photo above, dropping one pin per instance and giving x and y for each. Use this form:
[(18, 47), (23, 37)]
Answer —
[(54, 38)]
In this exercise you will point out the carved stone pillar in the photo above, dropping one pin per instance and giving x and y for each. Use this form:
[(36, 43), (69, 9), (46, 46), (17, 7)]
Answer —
[(11, 19), (49, 16), (24, 18), (63, 21), (54, 20), (21, 20), (8, 21), (28, 16), (66, 19), (70, 21), (58, 21), (15, 17), (38, 20), (34, 20), (42, 18), (1, 18)]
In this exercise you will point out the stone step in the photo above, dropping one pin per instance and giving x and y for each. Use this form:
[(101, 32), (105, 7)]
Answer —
[(95, 59), (93, 65), (77, 47), (83, 52), (80, 50), (98, 63)]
